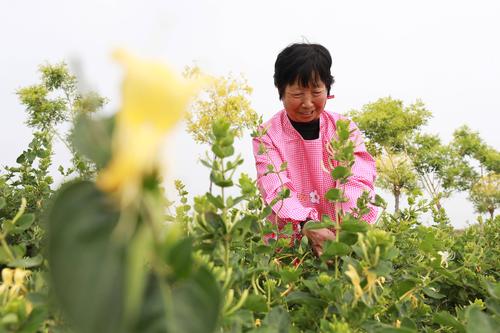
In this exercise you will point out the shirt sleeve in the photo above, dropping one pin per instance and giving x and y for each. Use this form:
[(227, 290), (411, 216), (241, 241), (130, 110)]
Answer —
[(270, 185), (363, 177)]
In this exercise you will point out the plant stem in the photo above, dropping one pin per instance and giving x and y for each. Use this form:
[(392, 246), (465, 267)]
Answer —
[(6, 247)]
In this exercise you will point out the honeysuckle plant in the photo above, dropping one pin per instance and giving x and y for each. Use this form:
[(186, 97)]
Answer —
[(122, 258)]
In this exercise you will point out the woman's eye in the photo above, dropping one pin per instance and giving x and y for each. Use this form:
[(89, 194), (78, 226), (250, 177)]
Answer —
[(297, 95)]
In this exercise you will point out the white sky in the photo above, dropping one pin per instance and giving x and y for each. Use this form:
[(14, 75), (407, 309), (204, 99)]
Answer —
[(445, 52)]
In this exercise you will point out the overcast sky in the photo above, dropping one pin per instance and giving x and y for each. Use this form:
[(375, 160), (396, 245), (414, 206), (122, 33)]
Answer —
[(446, 53)]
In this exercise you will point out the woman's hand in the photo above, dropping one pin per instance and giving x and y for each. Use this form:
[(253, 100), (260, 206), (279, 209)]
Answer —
[(317, 237)]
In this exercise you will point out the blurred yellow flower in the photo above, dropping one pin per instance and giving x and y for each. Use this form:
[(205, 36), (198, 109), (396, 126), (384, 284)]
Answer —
[(154, 99), (7, 280), (13, 281), (352, 273)]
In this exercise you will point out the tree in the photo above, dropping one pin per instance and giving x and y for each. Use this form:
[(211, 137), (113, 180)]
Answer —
[(469, 144), (389, 127), (396, 175), (440, 167), (484, 183), (226, 97), (485, 194), (387, 123)]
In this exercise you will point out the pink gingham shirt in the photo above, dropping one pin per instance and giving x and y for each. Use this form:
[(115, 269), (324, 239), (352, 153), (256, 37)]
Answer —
[(304, 176)]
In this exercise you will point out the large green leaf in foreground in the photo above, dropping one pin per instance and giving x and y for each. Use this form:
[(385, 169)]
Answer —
[(86, 268), (91, 272)]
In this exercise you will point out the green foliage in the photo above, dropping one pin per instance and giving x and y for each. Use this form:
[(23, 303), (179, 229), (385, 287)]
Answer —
[(442, 168), (485, 194), (105, 257), (24, 190), (483, 188), (126, 269), (469, 143), (387, 123), (396, 174)]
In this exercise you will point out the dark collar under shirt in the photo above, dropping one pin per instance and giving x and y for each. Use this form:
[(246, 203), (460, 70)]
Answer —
[(309, 130)]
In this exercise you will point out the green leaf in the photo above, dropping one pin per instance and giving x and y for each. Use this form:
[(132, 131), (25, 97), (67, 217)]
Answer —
[(21, 158), (226, 141), (388, 329), (220, 128), (401, 287), (43, 153), (444, 318), (332, 248), (222, 151), (195, 304), (246, 224), (262, 149), (263, 249), (23, 223), (340, 172), (217, 178), (334, 195), (265, 212), (348, 237), (428, 240), (206, 163), (479, 322), (314, 225), (151, 318), (493, 305), (256, 303), (180, 258), (343, 129), (277, 320), (215, 221), (290, 275), (300, 297), (379, 201), (27, 262), (87, 267), (231, 202), (2, 202), (35, 320), (284, 193), (216, 201), (408, 323), (432, 293), (353, 225), (384, 268), (493, 289), (136, 266)]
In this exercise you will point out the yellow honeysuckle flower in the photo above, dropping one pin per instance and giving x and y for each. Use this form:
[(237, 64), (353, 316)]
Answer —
[(154, 99), (371, 283), (20, 276), (352, 273), (7, 280)]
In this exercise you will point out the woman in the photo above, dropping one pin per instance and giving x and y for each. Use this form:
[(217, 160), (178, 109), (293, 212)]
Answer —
[(298, 135)]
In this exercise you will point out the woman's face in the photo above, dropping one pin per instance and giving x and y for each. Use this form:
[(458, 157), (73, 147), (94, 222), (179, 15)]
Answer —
[(304, 104)]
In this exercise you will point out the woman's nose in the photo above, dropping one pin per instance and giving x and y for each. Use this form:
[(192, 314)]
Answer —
[(307, 101)]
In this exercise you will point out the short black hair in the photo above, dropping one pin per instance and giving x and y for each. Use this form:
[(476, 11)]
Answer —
[(303, 63)]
